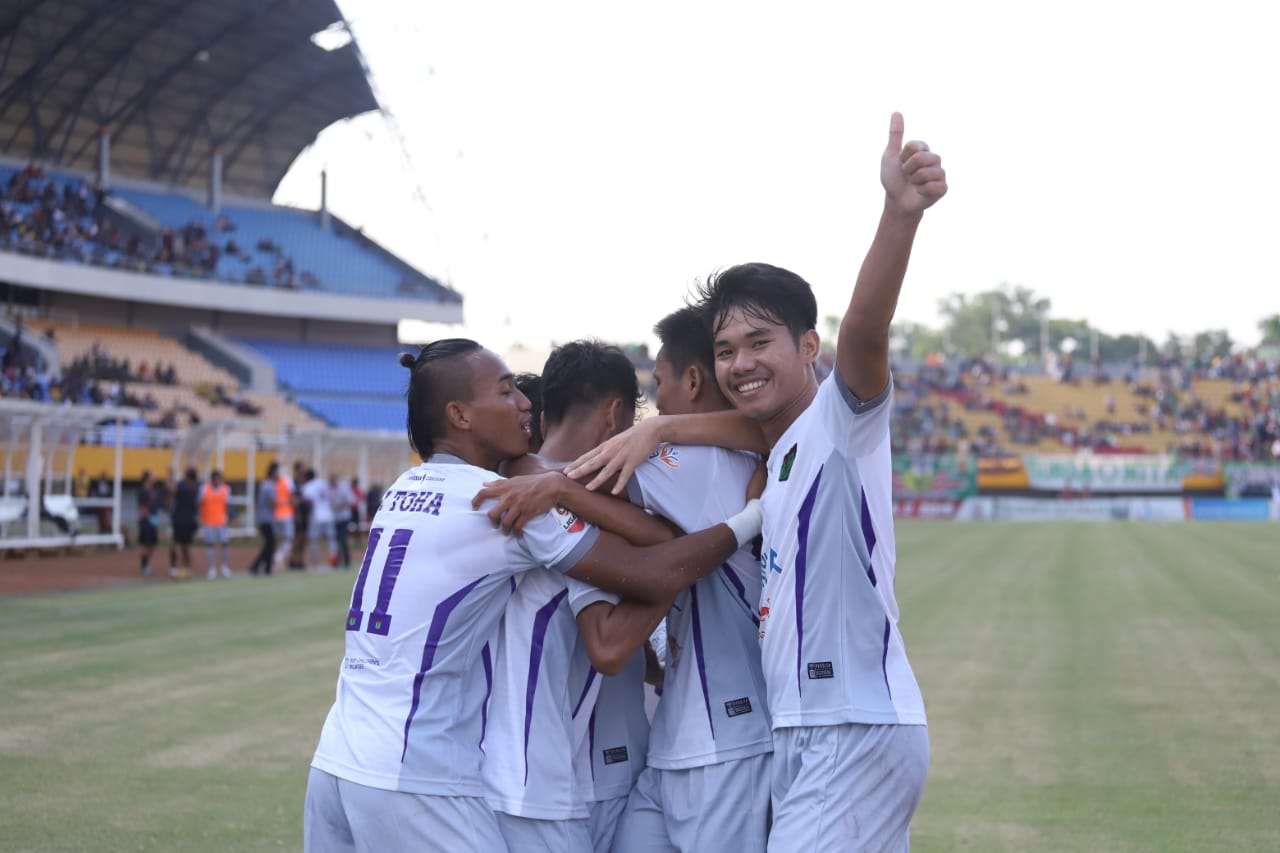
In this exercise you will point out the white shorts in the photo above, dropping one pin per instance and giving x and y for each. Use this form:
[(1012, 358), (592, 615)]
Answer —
[(284, 528), (344, 817), (845, 788), (215, 535), (321, 530), (605, 816), (545, 836), (721, 806)]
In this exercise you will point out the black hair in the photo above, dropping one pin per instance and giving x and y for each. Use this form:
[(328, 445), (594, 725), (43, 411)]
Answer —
[(436, 378), (530, 385), (273, 470), (763, 292), (585, 372), (191, 474), (686, 339)]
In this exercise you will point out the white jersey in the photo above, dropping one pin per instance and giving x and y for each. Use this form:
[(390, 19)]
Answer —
[(713, 705), (829, 635), (536, 760), (618, 731), (317, 492), (430, 592)]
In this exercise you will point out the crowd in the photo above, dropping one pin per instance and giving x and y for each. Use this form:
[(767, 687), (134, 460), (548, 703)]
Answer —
[(69, 220)]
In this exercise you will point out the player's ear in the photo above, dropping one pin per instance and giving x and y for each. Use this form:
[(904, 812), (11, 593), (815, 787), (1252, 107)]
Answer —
[(613, 415), (457, 415), (693, 382), (810, 345)]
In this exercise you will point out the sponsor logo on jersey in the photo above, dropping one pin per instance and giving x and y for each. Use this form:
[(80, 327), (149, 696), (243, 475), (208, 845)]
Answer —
[(570, 522), (787, 461), (668, 456)]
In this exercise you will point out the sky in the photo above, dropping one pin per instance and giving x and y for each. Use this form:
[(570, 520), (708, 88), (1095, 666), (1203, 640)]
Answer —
[(572, 168)]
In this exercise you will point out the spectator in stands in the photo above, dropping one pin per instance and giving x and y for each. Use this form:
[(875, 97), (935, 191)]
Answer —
[(215, 496), (183, 516), (264, 512)]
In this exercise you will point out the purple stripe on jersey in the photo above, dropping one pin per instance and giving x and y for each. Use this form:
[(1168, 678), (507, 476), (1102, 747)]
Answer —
[(355, 615), (868, 534), (884, 658), (541, 620), (742, 592), (434, 632), (802, 553), (591, 742), (488, 691), (586, 688), (698, 656)]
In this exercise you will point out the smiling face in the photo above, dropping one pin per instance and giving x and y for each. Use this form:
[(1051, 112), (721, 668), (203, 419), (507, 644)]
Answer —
[(497, 413), (762, 370)]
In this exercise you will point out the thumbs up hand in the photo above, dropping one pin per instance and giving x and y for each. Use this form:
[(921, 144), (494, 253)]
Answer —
[(912, 175)]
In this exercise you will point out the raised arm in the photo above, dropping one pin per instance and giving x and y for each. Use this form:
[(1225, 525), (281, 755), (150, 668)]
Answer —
[(913, 179), (618, 458)]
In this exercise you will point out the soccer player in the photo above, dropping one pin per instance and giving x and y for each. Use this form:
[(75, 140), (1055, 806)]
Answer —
[(530, 385), (851, 747), (320, 520), (398, 762), (214, 496), (545, 729)]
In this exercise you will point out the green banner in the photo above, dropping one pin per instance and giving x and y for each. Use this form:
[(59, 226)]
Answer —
[(933, 476)]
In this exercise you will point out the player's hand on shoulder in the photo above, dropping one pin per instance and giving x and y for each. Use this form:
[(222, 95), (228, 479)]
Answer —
[(618, 457), (912, 175), (519, 499)]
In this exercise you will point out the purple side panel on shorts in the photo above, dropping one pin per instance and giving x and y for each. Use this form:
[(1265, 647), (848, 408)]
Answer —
[(488, 691), (802, 554), (868, 534), (698, 655), (434, 632), (540, 623)]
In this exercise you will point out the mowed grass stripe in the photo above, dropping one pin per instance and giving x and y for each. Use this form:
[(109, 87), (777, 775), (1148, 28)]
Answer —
[(1090, 687)]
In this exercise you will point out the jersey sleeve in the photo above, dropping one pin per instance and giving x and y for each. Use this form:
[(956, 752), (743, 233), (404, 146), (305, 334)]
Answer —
[(856, 427), (557, 539), (583, 595), (674, 482)]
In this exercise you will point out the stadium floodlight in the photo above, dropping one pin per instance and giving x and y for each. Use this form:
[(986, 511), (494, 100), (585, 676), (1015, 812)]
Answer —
[(333, 37)]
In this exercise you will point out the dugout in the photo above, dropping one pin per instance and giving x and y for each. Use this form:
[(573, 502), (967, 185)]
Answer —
[(205, 447), (372, 457), (40, 444)]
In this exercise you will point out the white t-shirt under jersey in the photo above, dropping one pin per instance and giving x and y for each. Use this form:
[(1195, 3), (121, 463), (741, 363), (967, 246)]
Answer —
[(830, 643), (536, 761), (432, 587), (713, 706)]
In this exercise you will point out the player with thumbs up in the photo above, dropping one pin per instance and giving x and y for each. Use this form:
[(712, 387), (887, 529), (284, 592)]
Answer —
[(851, 746)]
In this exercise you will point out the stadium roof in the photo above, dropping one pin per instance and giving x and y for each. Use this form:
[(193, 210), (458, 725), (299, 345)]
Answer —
[(172, 81)]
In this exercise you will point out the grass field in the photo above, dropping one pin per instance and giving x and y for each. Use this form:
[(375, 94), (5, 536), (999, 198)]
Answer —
[(1090, 687)]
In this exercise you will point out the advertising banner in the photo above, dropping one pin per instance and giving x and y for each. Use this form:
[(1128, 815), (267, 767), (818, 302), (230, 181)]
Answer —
[(1105, 474), (1226, 509), (1251, 479), (933, 476), (925, 508)]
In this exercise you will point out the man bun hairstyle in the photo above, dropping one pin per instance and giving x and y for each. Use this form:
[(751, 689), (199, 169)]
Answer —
[(437, 377), (763, 292)]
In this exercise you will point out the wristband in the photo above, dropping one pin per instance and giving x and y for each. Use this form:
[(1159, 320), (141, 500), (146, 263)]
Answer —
[(746, 524)]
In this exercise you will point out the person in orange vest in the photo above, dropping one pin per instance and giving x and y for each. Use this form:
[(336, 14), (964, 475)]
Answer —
[(213, 523), (283, 518)]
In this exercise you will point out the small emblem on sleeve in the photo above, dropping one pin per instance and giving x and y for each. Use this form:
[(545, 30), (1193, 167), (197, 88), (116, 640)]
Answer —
[(570, 522), (737, 707), (822, 669), (617, 755), (787, 461)]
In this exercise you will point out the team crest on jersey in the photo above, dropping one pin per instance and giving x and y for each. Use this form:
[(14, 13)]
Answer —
[(570, 522), (787, 461)]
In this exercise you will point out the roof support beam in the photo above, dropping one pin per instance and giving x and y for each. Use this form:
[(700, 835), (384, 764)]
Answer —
[(28, 76)]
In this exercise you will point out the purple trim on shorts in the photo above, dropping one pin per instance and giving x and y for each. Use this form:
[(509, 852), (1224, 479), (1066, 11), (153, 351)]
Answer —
[(742, 592), (869, 535), (540, 623), (355, 615), (802, 554), (884, 658), (586, 688), (698, 656), (434, 632), (488, 691)]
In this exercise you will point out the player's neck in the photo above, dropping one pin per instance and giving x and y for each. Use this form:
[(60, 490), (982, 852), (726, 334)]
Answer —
[(565, 443), (778, 423)]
